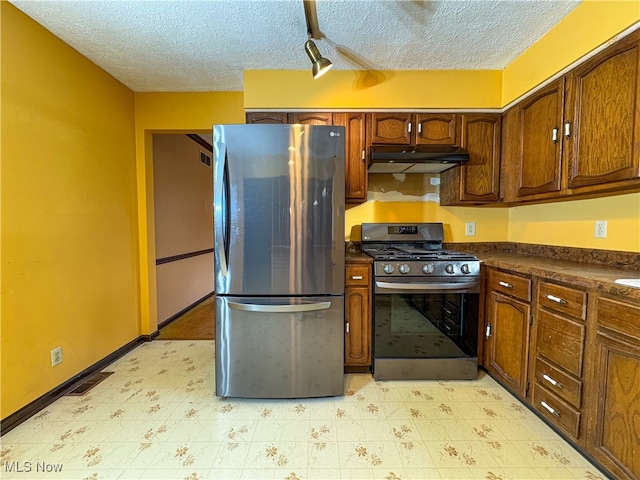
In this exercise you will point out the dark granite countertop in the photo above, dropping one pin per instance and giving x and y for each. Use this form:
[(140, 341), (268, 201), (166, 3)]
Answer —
[(588, 276), (594, 270), (353, 254)]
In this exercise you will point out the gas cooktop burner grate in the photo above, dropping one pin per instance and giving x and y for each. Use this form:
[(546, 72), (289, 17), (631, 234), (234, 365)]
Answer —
[(412, 253)]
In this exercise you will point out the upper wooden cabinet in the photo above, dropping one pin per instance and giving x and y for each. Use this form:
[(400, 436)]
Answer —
[(581, 133), (356, 155), (539, 168), (602, 118), (267, 117), (413, 128), (478, 180), (356, 178), (307, 118)]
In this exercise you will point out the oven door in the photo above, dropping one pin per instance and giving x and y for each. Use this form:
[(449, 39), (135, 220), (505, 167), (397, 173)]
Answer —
[(414, 320)]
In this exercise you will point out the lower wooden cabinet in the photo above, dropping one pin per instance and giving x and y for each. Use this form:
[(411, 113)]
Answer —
[(614, 430), (581, 355), (357, 344), (507, 330)]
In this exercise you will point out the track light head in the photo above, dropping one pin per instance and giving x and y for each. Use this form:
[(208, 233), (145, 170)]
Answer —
[(320, 65)]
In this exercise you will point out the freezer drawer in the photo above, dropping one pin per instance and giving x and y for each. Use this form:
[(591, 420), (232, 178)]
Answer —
[(279, 347)]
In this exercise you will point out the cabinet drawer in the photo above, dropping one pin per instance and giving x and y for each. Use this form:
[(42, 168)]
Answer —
[(510, 284), (561, 414), (555, 380), (357, 275), (561, 340), (561, 299), (621, 317)]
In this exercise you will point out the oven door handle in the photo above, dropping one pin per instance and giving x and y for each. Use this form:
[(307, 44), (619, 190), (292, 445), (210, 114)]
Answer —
[(426, 286)]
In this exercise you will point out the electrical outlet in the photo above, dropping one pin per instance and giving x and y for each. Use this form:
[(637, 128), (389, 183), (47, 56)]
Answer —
[(601, 229), (470, 229), (56, 356)]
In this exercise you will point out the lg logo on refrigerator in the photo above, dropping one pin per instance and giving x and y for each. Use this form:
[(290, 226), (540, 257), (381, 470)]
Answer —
[(334, 134)]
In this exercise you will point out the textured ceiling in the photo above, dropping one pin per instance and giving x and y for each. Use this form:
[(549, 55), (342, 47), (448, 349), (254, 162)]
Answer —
[(205, 45)]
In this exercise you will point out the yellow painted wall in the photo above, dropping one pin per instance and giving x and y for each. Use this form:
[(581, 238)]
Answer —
[(269, 89), (589, 25), (491, 224), (193, 112), (573, 223), (68, 236)]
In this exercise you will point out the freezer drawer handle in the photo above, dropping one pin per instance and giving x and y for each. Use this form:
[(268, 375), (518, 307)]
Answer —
[(306, 307)]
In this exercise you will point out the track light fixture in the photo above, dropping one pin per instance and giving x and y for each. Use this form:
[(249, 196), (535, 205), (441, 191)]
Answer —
[(320, 65)]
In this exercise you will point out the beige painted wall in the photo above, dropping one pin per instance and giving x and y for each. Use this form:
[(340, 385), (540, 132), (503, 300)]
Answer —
[(194, 112), (183, 212)]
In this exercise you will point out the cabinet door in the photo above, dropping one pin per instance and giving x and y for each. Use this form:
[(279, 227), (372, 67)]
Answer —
[(356, 175), (267, 117), (603, 113), (358, 326), (478, 180), (357, 316), (614, 441), (480, 176), (436, 129), (390, 128), (311, 118), (540, 163), (507, 349)]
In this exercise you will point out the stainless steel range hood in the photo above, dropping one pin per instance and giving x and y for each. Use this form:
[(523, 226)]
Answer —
[(415, 159)]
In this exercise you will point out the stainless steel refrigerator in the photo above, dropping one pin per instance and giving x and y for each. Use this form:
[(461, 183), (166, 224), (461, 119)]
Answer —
[(279, 260)]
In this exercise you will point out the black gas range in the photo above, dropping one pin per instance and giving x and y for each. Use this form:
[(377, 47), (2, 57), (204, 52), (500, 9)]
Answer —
[(425, 303), (414, 252)]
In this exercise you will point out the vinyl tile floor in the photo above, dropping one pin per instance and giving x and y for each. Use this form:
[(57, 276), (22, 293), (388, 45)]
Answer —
[(157, 417)]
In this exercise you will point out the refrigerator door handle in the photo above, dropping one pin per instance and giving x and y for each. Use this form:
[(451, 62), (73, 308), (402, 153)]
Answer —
[(221, 206), (287, 308)]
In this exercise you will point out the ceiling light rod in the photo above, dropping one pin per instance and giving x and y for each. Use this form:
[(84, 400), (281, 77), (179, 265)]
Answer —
[(311, 15)]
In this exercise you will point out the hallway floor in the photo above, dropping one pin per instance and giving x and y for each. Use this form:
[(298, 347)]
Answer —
[(157, 417)]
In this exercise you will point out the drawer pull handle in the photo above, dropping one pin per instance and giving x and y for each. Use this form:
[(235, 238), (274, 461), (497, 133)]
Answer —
[(556, 299), (356, 277), (553, 382), (506, 285), (551, 410)]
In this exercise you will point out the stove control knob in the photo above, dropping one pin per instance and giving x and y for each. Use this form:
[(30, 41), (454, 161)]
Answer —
[(450, 268), (428, 268), (465, 269), (388, 268), (404, 268)]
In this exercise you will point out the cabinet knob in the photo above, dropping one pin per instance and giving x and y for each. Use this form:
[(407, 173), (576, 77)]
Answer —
[(567, 129), (554, 135)]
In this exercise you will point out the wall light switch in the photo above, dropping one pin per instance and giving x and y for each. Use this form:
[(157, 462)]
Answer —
[(470, 229), (601, 229)]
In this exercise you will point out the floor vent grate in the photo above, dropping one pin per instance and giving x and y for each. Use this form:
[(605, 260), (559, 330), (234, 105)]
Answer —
[(88, 384)]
